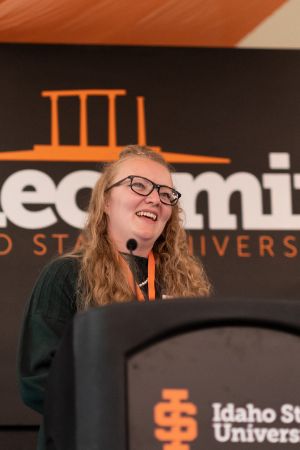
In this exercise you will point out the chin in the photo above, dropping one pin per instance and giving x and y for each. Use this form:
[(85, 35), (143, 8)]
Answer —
[(146, 235), (147, 238)]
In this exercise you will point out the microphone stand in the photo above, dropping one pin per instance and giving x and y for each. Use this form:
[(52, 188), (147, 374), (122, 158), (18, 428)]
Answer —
[(131, 245)]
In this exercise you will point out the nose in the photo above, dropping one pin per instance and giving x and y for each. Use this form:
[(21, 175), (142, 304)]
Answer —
[(153, 197)]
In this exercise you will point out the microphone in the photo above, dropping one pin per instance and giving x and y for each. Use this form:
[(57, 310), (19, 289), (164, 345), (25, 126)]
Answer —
[(131, 245)]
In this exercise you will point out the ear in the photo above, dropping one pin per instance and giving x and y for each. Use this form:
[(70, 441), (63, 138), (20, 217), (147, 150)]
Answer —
[(107, 204)]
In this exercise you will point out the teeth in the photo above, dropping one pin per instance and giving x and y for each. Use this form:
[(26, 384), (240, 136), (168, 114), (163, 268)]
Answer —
[(147, 214)]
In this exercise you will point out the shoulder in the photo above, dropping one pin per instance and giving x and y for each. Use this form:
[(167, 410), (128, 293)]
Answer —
[(60, 268), (54, 293), (59, 273)]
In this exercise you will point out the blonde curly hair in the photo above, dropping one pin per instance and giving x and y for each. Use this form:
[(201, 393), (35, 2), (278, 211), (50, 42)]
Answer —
[(101, 279)]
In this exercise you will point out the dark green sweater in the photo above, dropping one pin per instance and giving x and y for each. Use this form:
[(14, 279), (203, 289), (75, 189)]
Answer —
[(51, 306)]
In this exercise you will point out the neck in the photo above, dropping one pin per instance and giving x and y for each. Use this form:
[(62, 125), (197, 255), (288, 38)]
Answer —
[(143, 249), (140, 252)]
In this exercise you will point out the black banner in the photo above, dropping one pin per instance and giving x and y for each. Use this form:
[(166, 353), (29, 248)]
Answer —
[(226, 119)]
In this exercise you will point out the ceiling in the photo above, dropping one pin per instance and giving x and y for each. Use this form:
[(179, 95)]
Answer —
[(216, 23)]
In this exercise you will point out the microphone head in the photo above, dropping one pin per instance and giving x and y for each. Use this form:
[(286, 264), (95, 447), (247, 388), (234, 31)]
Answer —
[(131, 245)]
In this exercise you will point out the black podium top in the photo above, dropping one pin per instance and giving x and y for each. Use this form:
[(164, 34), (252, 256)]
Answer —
[(236, 361)]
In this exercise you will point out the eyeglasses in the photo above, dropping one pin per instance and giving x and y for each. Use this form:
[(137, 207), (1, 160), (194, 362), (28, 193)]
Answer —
[(144, 187)]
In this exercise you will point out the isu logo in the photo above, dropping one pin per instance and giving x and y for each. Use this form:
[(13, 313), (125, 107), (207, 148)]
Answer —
[(175, 426), (84, 151)]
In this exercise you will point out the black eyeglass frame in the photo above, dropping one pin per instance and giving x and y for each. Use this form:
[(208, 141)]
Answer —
[(154, 186)]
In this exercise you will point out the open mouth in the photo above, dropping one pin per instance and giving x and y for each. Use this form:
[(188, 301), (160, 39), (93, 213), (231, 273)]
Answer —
[(147, 214)]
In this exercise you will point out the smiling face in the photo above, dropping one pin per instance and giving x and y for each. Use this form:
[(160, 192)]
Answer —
[(131, 215)]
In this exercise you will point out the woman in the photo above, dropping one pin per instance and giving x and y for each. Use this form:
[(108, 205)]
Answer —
[(133, 199)]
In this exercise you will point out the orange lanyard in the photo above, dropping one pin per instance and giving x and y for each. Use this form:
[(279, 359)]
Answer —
[(151, 278)]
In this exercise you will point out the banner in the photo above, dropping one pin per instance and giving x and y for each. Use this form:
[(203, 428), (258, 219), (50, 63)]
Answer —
[(226, 119)]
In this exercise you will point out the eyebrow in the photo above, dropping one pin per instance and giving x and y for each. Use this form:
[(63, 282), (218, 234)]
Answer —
[(146, 178)]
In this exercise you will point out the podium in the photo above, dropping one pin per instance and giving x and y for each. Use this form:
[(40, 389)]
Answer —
[(186, 374)]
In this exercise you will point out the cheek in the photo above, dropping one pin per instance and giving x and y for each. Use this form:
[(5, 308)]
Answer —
[(115, 206), (167, 216)]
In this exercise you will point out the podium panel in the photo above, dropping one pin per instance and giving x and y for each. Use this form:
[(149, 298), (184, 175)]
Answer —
[(230, 387), (187, 374)]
